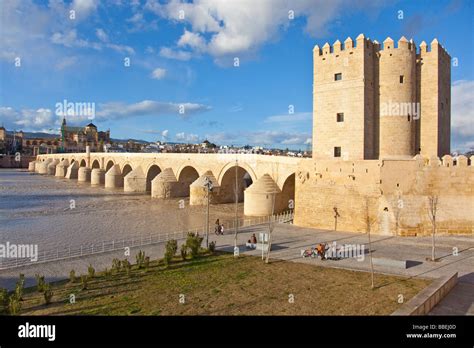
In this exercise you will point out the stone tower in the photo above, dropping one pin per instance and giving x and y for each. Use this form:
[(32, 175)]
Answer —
[(373, 102)]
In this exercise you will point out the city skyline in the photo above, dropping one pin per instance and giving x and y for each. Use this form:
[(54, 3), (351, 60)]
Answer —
[(167, 71)]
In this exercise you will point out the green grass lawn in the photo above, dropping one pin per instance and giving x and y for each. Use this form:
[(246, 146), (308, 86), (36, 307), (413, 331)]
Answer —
[(221, 285)]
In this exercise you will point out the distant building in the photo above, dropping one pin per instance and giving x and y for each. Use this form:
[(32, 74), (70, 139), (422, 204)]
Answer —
[(6, 141), (75, 139), (71, 139), (206, 144), (12, 142)]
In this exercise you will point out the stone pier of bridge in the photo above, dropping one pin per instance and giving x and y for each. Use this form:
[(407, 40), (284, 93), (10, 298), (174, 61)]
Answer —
[(264, 183)]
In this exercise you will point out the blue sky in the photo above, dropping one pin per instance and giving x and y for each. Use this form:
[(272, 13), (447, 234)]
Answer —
[(188, 63)]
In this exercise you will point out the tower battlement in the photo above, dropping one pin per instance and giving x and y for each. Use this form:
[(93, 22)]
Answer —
[(376, 100), (388, 44)]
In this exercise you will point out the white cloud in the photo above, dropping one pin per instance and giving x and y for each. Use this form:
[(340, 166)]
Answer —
[(192, 40), (241, 27), (236, 108), (277, 137), (165, 133), (139, 23), (148, 107), (121, 48), (70, 40), (260, 138), (290, 118), (102, 35), (189, 138), (66, 62), (28, 119), (158, 73), (37, 32), (169, 53), (84, 7), (41, 118), (136, 18), (462, 112)]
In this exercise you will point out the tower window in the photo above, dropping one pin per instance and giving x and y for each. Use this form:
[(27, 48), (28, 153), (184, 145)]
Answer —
[(340, 117), (337, 77), (337, 151), (401, 78)]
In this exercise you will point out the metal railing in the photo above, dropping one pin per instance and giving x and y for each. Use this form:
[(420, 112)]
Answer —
[(70, 252)]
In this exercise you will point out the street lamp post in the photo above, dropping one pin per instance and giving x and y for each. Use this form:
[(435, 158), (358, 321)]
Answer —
[(208, 185), (236, 221)]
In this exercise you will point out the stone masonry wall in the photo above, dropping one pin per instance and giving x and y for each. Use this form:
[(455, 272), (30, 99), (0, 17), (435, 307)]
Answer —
[(390, 196)]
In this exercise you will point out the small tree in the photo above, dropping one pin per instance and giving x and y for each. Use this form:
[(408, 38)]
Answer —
[(212, 247), (72, 276), (48, 294), (271, 226), (116, 265), (170, 250), (370, 221), (3, 301), (184, 252), (432, 211), (193, 244), (140, 258), (127, 266), (84, 281), (40, 283), (14, 305), (91, 271), (20, 285), (147, 262), (336, 216)]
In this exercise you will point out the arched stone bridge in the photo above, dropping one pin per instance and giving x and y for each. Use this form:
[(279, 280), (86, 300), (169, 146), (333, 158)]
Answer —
[(265, 183)]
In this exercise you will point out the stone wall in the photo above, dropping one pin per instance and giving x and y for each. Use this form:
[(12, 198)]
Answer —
[(389, 196), (10, 161), (429, 297)]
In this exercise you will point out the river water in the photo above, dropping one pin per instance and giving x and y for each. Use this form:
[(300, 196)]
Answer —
[(55, 212)]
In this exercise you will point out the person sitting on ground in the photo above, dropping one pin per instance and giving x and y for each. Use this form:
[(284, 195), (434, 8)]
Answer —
[(321, 249), (250, 245), (253, 239)]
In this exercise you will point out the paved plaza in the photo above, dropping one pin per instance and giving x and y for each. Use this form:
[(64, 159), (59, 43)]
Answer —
[(288, 241)]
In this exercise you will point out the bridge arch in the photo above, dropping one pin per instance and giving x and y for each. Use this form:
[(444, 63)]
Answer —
[(228, 180), (287, 196), (109, 165), (126, 168), (186, 176), (152, 171), (95, 164), (83, 163), (242, 165)]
